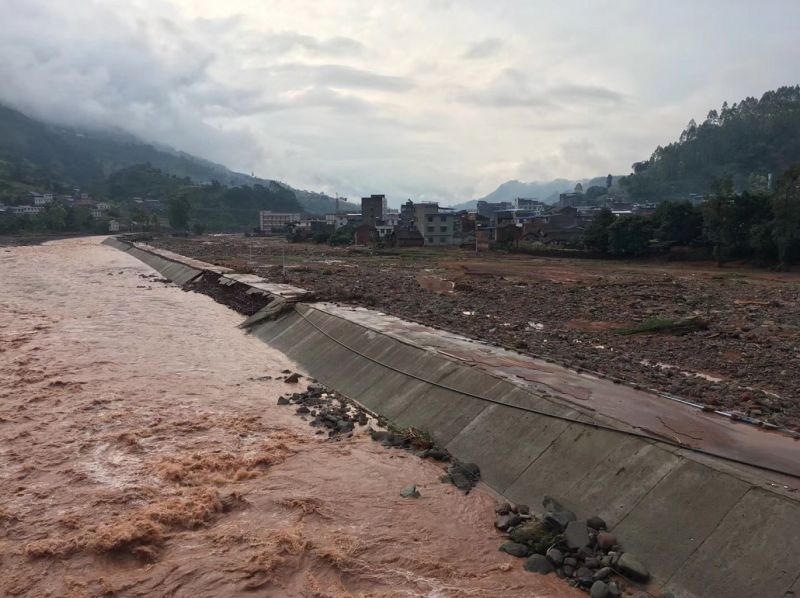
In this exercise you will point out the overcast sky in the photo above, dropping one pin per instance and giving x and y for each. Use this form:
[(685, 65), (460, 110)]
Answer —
[(428, 99)]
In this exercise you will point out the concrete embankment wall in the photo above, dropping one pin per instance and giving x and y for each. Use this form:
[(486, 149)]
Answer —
[(704, 528), (172, 270)]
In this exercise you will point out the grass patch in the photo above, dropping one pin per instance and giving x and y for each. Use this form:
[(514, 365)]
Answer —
[(660, 326)]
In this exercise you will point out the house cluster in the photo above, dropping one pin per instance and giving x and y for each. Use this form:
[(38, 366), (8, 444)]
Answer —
[(429, 224), (415, 224), (36, 203)]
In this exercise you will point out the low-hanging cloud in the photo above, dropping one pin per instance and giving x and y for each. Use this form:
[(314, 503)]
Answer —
[(403, 98)]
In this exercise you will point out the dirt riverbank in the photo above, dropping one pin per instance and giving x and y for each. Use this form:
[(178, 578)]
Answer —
[(739, 354)]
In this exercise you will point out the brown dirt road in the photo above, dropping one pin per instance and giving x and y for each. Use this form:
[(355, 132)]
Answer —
[(142, 454)]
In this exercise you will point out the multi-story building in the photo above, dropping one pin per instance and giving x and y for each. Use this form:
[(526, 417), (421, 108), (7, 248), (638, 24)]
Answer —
[(277, 221), (372, 209), (437, 225)]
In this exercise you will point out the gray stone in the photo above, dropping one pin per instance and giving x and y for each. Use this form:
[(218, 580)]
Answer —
[(592, 562), (410, 492), (576, 534), (515, 549), (555, 514), (568, 571), (345, 426), (559, 520), (633, 567), (538, 563), (571, 561), (599, 590), (602, 573), (596, 523), (615, 592), (556, 556), (283, 401), (503, 522)]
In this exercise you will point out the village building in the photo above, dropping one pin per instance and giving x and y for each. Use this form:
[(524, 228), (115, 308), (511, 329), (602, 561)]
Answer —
[(372, 209), (277, 221)]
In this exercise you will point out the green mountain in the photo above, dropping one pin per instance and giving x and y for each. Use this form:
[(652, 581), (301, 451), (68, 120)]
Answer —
[(37, 155), (747, 142)]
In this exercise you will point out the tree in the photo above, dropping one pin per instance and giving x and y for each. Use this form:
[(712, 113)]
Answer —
[(786, 222), (596, 236), (629, 236), (54, 216), (595, 191), (678, 222), (609, 181), (578, 188), (179, 212)]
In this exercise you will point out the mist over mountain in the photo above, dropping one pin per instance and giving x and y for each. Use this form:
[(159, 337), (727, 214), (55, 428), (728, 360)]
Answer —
[(84, 157), (546, 191)]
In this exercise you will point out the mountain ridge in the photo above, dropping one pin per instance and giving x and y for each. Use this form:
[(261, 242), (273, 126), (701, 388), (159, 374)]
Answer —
[(83, 157)]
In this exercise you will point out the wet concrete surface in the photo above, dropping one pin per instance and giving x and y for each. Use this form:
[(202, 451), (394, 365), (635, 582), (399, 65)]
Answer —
[(593, 396), (142, 454)]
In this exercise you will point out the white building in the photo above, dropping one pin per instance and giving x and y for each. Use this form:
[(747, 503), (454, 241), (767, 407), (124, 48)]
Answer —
[(276, 221), (26, 209)]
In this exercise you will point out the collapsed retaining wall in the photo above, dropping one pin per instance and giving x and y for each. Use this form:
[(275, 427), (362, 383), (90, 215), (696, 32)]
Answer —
[(705, 528)]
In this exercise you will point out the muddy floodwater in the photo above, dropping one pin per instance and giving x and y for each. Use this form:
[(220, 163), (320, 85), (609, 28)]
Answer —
[(142, 453)]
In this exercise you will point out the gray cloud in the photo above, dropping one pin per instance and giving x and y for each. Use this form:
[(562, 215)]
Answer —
[(401, 98), (484, 48), (284, 42), (340, 76)]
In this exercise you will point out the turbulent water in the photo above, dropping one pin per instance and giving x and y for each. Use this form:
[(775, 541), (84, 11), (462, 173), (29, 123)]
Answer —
[(142, 454)]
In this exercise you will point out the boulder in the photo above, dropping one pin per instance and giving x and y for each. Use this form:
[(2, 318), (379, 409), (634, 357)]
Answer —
[(632, 567), (504, 522), (615, 592), (599, 590), (576, 535), (596, 523), (603, 573), (556, 556), (283, 401), (515, 549), (538, 563)]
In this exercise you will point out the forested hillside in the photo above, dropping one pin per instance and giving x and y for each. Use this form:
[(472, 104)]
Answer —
[(40, 156), (747, 142)]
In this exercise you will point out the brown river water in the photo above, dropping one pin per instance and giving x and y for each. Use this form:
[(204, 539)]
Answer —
[(142, 453)]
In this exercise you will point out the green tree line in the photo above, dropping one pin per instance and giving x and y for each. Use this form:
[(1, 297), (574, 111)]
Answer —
[(757, 226), (746, 142)]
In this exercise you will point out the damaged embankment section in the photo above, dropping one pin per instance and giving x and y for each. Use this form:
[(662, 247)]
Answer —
[(704, 526)]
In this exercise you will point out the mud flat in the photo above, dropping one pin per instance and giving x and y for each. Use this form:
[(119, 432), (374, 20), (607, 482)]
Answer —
[(143, 454)]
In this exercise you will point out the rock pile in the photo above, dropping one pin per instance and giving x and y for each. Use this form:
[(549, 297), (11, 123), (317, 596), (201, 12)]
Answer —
[(583, 552), (327, 409)]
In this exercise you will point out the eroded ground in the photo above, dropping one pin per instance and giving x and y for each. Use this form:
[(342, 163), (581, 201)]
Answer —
[(745, 359), (142, 453)]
